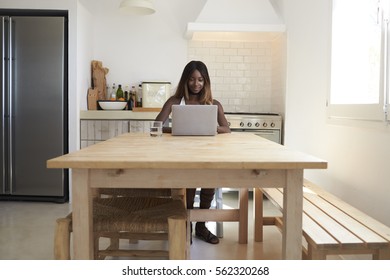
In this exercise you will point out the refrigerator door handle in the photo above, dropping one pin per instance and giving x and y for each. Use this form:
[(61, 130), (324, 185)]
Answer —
[(3, 92), (10, 111)]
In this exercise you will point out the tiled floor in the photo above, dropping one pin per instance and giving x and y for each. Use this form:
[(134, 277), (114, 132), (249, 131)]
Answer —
[(27, 233), (27, 229)]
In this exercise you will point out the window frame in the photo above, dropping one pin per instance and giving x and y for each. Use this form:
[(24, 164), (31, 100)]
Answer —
[(366, 112)]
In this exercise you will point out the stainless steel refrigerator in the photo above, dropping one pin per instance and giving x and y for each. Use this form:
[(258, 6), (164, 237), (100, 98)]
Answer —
[(34, 94)]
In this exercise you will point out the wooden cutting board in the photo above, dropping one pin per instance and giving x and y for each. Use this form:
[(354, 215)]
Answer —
[(99, 79), (92, 98)]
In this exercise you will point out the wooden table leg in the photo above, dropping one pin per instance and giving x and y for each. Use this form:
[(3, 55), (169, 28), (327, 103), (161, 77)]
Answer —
[(177, 238), (82, 215), (243, 216), (292, 215), (258, 214)]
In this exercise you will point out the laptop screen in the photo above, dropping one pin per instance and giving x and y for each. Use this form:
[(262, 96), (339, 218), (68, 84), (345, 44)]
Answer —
[(194, 119)]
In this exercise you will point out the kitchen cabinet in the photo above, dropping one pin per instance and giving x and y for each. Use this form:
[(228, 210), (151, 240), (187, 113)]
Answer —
[(139, 126), (98, 126), (95, 131)]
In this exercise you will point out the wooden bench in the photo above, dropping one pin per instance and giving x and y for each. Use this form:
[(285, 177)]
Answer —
[(330, 225)]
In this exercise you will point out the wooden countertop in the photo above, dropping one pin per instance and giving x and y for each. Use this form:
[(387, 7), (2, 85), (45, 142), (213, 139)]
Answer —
[(117, 115), (224, 151)]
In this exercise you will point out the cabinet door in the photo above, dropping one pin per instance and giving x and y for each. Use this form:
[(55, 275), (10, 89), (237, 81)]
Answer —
[(139, 126), (95, 131)]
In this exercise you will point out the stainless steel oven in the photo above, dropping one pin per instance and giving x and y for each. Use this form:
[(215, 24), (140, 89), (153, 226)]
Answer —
[(266, 125)]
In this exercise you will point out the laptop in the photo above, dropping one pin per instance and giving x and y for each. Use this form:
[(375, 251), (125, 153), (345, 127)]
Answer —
[(193, 120)]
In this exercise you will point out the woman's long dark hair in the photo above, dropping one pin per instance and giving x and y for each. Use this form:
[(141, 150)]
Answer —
[(182, 89)]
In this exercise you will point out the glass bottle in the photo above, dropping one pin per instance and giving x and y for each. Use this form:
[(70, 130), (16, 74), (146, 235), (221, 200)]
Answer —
[(127, 92), (126, 95), (119, 93), (134, 96), (113, 92), (139, 100), (130, 102), (108, 92), (127, 100)]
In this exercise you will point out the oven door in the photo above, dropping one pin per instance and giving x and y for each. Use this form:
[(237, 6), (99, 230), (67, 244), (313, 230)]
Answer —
[(273, 135), (270, 134)]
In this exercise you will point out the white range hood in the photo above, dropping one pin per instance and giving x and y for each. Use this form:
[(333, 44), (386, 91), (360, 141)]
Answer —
[(236, 20)]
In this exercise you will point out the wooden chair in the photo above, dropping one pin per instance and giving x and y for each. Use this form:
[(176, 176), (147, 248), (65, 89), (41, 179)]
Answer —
[(135, 214)]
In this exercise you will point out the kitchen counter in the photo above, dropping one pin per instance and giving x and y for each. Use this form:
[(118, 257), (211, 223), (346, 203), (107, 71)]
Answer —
[(99, 125), (117, 115)]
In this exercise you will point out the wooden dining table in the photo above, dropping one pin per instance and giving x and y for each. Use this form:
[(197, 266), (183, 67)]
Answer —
[(234, 160)]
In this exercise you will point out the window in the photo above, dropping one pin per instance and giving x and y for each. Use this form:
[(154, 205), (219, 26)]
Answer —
[(359, 59)]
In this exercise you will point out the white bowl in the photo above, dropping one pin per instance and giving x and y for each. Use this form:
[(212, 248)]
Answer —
[(112, 104)]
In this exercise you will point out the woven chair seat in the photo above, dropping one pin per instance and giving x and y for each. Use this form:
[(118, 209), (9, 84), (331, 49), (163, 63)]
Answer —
[(135, 214), (136, 192)]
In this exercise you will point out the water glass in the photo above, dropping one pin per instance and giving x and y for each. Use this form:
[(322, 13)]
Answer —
[(156, 128)]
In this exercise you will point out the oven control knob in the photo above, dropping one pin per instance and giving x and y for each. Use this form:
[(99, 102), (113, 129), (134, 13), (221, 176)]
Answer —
[(257, 124), (241, 124), (272, 124), (249, 124), (265, 124)]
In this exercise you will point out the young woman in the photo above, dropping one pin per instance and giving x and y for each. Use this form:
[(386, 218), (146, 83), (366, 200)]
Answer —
[(194, 88)]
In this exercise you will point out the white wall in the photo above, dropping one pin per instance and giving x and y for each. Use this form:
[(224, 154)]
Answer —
[(245, 75), (84, 56), (358, 154), (141, 48)]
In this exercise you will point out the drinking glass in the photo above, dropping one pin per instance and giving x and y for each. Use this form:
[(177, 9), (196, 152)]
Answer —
[(156, 128)]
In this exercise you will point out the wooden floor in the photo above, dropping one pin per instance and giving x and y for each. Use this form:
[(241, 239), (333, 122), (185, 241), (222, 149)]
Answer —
[(27, 232)]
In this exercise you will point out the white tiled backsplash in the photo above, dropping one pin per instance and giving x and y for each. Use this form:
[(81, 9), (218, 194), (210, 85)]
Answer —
[(245, 76)]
